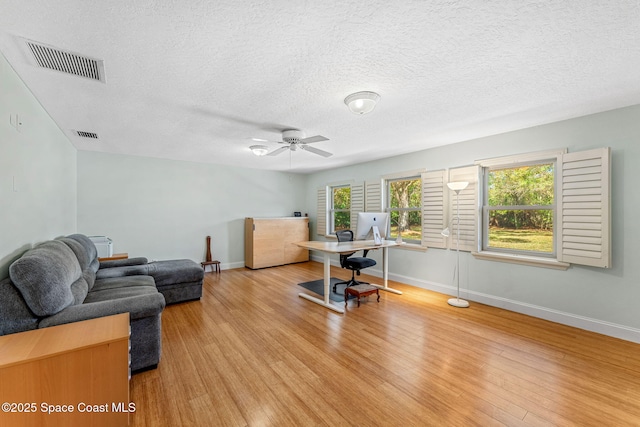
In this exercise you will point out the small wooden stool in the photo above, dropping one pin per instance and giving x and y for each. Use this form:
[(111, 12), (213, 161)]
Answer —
[(360, 291), (215, 264)]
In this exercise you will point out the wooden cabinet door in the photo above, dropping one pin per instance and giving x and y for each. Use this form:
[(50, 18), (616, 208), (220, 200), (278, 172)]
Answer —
[(297, 231), (271, 241), (268, 249)]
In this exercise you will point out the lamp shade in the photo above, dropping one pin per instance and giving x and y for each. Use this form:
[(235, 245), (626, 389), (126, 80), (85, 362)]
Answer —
[(457, 186), (259, 150), (362, 102)]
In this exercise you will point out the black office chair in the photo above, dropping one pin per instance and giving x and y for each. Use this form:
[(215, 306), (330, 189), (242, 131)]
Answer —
[(353, 263)]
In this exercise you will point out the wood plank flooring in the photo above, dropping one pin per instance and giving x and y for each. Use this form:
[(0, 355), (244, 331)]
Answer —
[(253, 353)]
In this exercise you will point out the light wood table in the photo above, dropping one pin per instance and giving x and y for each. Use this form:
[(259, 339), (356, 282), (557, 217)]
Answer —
[(69, 375), (328, 248)]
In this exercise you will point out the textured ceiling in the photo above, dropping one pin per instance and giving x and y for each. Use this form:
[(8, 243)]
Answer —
[(195, 79)]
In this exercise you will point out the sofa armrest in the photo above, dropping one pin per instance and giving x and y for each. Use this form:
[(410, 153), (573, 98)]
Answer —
[(138, 307), (124, 262)]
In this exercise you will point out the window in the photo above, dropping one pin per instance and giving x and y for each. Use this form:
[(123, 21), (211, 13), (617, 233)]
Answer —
[(404, 204), (519, 208), (340, 210), (338, 207), (548, 209)]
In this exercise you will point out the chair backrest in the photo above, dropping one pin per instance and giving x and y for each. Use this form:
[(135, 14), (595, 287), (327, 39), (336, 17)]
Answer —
[(344, 236), (347, 236)]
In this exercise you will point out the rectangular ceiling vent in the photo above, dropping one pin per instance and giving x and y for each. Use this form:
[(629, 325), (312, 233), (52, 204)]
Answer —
[(67, 62), (84, 134)]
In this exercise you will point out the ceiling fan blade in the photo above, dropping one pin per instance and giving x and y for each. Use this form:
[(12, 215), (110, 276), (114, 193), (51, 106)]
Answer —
[(311, 139), (264, 140), (316, 151), (278, 151)]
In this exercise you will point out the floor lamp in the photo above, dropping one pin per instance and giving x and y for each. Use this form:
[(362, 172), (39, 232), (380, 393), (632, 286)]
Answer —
[(457, 187)]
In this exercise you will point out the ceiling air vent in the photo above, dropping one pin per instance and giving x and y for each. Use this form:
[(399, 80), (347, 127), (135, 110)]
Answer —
[(67, 62), (84, 134)]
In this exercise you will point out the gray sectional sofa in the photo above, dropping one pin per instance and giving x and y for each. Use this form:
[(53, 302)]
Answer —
[(62, 281)]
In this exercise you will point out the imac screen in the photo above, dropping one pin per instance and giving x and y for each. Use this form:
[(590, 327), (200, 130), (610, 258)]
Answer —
[(366, 220)]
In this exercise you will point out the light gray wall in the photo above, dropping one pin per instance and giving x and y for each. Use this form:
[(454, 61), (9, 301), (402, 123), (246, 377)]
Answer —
[(164, 209), (37, 172), (597, 299)]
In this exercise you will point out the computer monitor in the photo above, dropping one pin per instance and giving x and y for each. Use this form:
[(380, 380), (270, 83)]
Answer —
[(366, 220)]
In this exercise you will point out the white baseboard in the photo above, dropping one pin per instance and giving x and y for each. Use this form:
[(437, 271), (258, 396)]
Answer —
[(569, 319), (231, 265)]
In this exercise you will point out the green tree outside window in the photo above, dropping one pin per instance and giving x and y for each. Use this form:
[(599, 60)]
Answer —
[(521, 208), (404, 207), (341, 208)]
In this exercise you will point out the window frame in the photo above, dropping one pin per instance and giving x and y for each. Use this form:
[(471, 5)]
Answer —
[(332, 210), (521, 258), (485, 208), (404, 176)]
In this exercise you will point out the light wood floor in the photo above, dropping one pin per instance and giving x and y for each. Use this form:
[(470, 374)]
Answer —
[(252, 353)]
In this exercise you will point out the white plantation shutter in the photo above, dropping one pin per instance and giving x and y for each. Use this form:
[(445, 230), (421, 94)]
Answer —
[(433, 208), (584, 208), (468, 208), (357, 204), (321, 215), (373, 196)]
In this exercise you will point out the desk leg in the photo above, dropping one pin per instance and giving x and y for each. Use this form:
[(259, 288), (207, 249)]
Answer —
[(385, 273), (327, 288)]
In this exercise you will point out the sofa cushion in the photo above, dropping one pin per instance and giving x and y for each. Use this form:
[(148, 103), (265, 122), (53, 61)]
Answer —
[(109, 294), (44, 276), (15, 316), (138, 306), (79, 290), (88, 245), (170, 272), (121, 282), (83, 259), (129, 270)]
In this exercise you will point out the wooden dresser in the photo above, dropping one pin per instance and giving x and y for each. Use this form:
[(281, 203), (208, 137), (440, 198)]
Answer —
[(69, 375), (270, 241)]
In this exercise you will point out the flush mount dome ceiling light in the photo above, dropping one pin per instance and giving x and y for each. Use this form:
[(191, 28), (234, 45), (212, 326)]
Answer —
[(259, 150), (362, 102)]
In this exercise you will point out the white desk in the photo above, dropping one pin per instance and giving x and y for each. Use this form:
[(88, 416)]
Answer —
[(328, 248)]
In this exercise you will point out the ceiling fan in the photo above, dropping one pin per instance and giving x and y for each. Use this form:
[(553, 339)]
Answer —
[(294, 139)]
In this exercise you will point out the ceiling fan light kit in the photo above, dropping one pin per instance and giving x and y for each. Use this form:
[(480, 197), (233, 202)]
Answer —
[(362, 102), (259, 150)]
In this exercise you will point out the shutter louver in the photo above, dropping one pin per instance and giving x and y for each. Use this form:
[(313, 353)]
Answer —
[(357, 204), (373, 197), (468, 200), (321, 216), (433, 209), (584, 208)]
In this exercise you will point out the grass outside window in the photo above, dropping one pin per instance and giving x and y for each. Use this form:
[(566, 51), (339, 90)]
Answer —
[(534, 240)]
